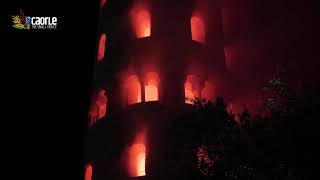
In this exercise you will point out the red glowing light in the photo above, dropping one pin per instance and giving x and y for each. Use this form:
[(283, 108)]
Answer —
[(102, 104), (207, 155), (188, 92), (137, 156), (151, 87), (197, 29), (102, 3), (208, 91), (140, 19), (98, 108), (151, 93), (93, 114), (133, 90), (102, 45), (88, 174), (191, 88)]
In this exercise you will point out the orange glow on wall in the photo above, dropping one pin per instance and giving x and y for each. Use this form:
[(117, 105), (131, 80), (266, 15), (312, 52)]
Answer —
[(137, 160), (102, 46), (188, 92), (197, 29), (191, 88), (151, 93), (208, 91), (141, 162), (137, 156), (133, 90), (141, 21), (151, 87), (88, 173)]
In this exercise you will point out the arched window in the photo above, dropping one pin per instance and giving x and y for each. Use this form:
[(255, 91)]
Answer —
[(151, 87), (88, 172), (102, 46), (137, 156), (191, 88), (197, 29), (188, 92), (102, 104), (98, 107), (137, 160), (141, 21), (133, 90)]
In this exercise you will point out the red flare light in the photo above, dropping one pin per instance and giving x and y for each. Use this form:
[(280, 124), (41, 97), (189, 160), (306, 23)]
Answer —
[(88, 174), (102, 46), (137, 156), (141, 21), (133, 90), (197, 29), (208, 91), (191, 88), (151, 87)]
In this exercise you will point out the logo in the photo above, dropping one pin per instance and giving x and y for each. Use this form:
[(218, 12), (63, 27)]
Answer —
[(21, 22), (27, 22)]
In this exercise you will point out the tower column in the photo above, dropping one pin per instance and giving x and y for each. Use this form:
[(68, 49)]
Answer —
[(173, 89), (142, 84)]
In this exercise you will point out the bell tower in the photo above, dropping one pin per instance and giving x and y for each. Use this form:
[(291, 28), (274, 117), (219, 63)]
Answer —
[(152, 55)]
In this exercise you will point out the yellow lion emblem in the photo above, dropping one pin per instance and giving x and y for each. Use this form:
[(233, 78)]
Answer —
[(17, 23)]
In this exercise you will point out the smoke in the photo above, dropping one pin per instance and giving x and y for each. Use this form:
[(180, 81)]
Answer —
[(261, 36)]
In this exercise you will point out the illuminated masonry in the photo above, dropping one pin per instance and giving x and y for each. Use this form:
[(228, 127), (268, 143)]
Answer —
[(152, 54)]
